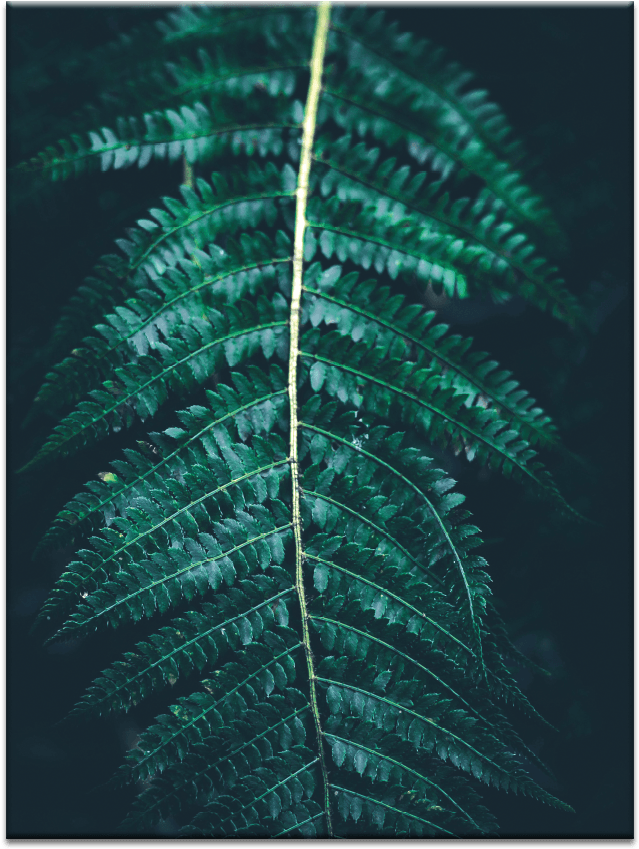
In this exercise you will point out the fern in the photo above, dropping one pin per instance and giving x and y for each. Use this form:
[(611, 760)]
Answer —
[(316, 570)]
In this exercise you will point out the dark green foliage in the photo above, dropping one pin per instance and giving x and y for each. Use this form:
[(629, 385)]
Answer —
[(366, 691)]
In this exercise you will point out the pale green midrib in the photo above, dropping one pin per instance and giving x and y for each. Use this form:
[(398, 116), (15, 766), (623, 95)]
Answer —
[(301, 425), (323, 11), (153, 469), (88, 706)]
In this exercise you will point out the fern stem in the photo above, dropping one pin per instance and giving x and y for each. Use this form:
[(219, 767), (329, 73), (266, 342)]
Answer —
[(187, 172), (310, 115)]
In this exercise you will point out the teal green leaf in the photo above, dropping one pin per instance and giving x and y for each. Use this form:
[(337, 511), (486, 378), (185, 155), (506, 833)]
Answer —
[(284, 546)]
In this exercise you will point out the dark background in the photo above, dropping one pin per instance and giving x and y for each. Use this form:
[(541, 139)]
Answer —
[(563, 76)]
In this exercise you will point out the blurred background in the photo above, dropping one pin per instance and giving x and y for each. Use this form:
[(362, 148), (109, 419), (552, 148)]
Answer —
[(563, 75)]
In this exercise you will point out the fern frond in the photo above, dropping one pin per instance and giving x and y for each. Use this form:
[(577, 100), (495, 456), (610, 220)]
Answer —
[(188, 357), (158, 310), (252, 406), (353, 174), (181, 231), (297, 558), (470, 372), (195, 132), (402, 72), (377, 382), (190, 644)]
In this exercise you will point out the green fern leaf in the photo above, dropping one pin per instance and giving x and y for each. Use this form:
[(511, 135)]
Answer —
[(313, 571)]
